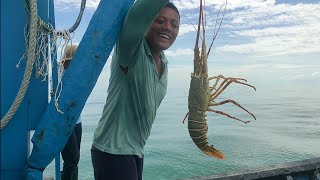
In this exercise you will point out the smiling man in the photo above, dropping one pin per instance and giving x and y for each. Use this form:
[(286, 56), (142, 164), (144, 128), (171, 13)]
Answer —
[(138, 83)]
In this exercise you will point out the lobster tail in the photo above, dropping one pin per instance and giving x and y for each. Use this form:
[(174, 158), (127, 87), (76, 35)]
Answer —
[(213, 152), (198, 130)]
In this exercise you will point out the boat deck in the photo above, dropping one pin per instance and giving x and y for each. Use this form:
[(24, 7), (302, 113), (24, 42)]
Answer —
[(308, 169)]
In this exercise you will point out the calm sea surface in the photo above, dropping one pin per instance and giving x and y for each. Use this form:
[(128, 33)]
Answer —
[(287, 129)]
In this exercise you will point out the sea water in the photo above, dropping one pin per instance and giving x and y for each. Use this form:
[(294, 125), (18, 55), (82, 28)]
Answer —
[(287, 129)]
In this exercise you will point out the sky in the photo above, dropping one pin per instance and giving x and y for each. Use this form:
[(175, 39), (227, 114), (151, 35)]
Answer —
[(271, 42)]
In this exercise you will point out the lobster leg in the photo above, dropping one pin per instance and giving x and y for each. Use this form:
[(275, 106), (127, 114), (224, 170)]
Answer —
[(233, 102), (222, 77), (229, 116), (236, 80), (224, 85), (185, 117)]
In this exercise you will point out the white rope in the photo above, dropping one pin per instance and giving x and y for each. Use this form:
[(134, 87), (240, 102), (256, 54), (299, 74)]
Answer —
[(45, 41), (67, 37), (40, 41), (29, 66)]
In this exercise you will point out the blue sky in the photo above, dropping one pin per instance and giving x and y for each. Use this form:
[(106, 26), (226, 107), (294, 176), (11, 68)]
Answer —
[(262, 40)]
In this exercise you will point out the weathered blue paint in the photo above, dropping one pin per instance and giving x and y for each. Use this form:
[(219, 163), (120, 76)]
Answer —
[(15, 135), (94, 49), (38, 88), (54, 84), (54, 79)]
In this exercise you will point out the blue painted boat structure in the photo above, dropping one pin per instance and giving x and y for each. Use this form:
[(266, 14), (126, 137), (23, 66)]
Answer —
[(52, 129), (94, 49), (16, 134), (308, 169)]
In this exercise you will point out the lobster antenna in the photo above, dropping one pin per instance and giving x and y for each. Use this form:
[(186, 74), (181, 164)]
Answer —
[(215, 27), (203, 22), (192, 25), (204, 17), (198, 31)]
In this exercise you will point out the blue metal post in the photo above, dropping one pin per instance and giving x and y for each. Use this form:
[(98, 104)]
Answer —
[(94, 49), (54, 80), (15, 135)]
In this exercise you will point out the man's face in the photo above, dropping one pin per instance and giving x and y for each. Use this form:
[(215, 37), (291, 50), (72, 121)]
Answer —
[(164, 30)]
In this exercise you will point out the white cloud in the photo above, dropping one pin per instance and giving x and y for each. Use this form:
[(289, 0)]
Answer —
[(315, 74), (262, 27), (186, 28), (296, 39), (64, 5), (179, 52), (294, 77), (234, 4), (287, 66), (276, 30)]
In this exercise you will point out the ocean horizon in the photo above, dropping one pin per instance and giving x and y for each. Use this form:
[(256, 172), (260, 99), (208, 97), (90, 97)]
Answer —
[(286, 129), (274, 45)]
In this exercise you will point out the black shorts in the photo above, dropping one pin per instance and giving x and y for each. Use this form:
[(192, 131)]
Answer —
[(116, 167)]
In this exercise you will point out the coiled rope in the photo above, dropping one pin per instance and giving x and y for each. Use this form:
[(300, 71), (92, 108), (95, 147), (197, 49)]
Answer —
[(33, 55), (60, 33), (30, 61)]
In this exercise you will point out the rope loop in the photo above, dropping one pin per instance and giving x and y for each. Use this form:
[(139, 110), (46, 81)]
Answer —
[(65, 34), (41, 40), (30, 61)]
